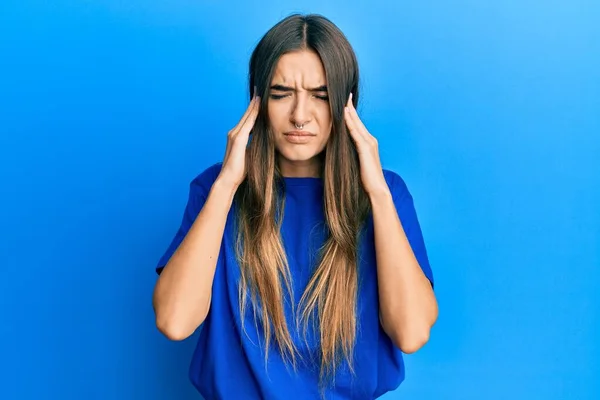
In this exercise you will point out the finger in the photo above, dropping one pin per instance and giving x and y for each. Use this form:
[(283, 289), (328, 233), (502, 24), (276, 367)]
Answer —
[(349, 102), (351, 125), (359, 127), (241, 139), (241, 132), (234, 131), (248, 111), (248, 124)]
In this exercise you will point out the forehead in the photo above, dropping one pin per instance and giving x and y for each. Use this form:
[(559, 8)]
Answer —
[(300, 68)]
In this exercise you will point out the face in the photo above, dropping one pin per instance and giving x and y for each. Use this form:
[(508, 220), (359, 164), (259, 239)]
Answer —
[(299, 112)]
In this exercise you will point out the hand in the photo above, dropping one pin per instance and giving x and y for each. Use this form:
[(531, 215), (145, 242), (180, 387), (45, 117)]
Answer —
[(233, 170), (371, 172)]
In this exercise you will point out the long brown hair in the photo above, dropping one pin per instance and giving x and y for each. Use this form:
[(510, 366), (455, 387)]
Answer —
[(331, 294)]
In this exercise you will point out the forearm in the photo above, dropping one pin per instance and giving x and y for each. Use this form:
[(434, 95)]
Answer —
[(407, 304), (182, 293)]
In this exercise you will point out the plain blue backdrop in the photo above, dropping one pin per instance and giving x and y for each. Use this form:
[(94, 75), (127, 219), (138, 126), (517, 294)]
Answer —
[(489, 110)]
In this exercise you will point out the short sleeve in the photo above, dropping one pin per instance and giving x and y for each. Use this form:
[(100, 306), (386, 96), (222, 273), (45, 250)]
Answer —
[(405, 206), (198, 193)]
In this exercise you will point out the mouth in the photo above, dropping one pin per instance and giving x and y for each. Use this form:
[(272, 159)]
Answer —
[(299, 133), (299, 137)]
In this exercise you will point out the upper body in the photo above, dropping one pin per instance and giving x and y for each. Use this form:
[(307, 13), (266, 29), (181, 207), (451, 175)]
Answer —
[(298, 227), (229, 364)]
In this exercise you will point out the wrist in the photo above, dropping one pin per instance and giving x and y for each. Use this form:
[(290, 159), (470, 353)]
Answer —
[(380, 195), (225, 186)]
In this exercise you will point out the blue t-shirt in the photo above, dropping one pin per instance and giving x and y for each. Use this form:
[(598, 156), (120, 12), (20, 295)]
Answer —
[(229, 364)]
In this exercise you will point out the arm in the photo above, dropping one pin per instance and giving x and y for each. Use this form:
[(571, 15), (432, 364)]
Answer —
[(183, 290), (182, 293), (407, 305)]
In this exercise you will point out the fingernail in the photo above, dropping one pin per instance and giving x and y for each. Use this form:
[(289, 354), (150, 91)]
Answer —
[(254, 94), (350, 96)]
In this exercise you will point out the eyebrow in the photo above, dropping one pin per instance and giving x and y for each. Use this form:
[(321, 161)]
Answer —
[(281, 88)]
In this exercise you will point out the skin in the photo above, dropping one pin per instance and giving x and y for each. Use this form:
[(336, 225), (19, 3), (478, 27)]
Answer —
[(408, 308), (407, 304), (299, 96)]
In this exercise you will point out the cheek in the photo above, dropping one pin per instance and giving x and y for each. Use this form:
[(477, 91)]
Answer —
[(324, 115), (276, 111)]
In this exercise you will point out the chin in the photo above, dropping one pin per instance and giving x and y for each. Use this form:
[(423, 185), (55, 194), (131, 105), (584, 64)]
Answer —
[(298, 154)]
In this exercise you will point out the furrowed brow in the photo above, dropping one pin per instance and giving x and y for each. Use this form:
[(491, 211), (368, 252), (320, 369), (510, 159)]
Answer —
[(282, 88)]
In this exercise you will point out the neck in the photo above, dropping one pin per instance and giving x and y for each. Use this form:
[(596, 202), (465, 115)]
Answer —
[(300, 169)]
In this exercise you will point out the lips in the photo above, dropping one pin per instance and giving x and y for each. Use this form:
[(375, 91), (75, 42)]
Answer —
[(299, 133), (299, 137)]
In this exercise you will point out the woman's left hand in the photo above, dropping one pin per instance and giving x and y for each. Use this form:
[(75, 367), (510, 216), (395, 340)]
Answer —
[(368, 152)]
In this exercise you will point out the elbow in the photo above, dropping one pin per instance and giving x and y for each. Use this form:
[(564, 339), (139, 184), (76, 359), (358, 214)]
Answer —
[(409, 341), (173, 331), (410, 333), (175, 319), (412, 343), (175, 326)]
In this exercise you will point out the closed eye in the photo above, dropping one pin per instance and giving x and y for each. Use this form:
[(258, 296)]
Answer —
[(281, 96), (278, 96), (318, 92)]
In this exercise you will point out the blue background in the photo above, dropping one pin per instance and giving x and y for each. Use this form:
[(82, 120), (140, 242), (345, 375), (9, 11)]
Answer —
[(489, 110)]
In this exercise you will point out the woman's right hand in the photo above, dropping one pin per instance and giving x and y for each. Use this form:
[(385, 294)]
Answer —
[(183, 293), (233, 170)]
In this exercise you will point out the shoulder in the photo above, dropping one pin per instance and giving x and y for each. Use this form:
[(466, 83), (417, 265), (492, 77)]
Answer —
[(396, 183), (207, 176), (201, 184)]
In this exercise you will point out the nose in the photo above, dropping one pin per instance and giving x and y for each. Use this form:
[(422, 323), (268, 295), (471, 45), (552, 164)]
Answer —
[(300, 114)]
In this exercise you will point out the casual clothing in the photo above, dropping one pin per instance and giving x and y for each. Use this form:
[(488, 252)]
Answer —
[(228, 364)]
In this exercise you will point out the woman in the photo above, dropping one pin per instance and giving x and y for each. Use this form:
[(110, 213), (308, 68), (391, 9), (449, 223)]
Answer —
[(298, 255)]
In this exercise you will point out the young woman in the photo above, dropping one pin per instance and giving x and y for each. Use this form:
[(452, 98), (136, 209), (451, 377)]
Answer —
[(301, 258)]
